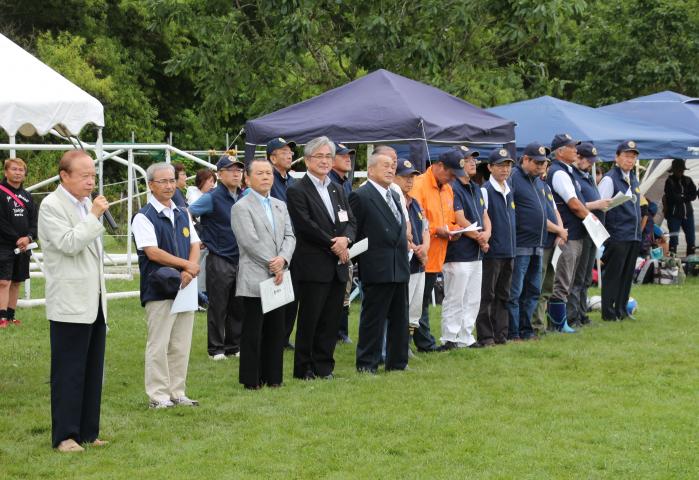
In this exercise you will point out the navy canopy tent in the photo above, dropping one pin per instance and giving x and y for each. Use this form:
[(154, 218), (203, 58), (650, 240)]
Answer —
[(381, 107), (669, 109), (541, 118)]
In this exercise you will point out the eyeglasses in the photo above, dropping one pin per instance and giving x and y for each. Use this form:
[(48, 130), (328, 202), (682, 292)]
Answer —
[(327, 156), (283, 153), (165, 181), (231, 169)]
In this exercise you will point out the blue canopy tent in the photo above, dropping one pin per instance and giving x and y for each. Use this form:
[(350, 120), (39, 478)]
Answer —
[(541, 118), (382, 107)]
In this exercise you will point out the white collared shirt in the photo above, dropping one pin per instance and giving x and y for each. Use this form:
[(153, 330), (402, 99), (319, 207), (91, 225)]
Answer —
[(144, 231), (606, 186), (497, 188), (322, 189), (563, 185), (81, 206)]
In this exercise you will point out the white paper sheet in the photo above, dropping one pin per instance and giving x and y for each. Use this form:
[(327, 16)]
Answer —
[(617, 200), (597, 232), (556, 255), (471, 228), (274, 296), (186, 299), (359, 247)]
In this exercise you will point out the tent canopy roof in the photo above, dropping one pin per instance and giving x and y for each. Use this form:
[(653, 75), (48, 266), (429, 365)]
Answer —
[(669, 109), (541, 118), (380, 107), (35, 98)]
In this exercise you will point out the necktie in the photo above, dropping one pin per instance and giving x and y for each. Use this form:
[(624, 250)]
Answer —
[(392, 206)]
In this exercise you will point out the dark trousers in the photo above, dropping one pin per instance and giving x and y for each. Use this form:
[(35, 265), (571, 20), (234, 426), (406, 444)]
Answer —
[(493, 318), (320, 309), (422, 337), (290, 312), (77, 365), (261, 345), (576, 309), (619, 263), (381, 303), (224, 318), (687, 225)]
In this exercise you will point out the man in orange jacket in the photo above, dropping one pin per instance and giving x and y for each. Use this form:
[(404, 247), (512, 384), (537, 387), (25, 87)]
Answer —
[(433, 192)]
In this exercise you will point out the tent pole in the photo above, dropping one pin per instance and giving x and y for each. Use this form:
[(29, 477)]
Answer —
[(98, 150), (129, 210), (13, 152)]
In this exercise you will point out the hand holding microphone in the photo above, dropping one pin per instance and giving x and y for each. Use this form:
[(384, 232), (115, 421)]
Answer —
[(100, 207)]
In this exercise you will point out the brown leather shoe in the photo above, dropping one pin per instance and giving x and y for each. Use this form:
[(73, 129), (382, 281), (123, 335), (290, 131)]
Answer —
[(68, 446), (99, 443)]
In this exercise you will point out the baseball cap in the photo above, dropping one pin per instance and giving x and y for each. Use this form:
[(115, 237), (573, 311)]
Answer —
[(561, 140), (588, 151), (226, 161), (537, 152), (405, 168), (499, 155), (341, 149), (279, 142), (627, 146), (453, 159)]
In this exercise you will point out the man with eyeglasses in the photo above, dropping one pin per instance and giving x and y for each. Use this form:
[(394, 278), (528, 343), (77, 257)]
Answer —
[(325, 227), (533, 225), (225, 312), (571, 205), (168, 258), (281, 153)]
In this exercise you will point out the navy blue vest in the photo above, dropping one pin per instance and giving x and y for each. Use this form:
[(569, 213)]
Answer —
[(216, 232), (530, 198), (280, 185), (504, 224), (468, 198), (589, 190), (575, 227), (551, 215), (174, 240), (343, 182), (416, 217), (624, 222)]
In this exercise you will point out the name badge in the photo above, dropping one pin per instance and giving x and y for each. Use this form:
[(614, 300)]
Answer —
[(342, 216)]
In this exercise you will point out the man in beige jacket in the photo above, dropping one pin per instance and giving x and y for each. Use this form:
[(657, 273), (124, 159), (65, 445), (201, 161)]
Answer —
[(69, 233)]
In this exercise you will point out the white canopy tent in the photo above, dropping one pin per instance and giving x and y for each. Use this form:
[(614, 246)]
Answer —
[(34, 98)]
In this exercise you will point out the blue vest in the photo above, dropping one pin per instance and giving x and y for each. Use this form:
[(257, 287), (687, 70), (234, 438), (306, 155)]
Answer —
[(216, 232), (343, 182), (174, 240), (504, 224), (280, 185), (468, 198), (416, 218), (576, 230), (551, 215), (589, 190), (530, 198), (624, 222)]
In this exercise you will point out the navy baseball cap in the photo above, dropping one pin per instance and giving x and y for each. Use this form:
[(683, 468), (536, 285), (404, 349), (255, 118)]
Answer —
[(499, 155), (561, 140), (165, 281), (405, 168), (279, 142), (537, 152), (588, 151), (627, 146), (341, 149), (227, 161), (469, 152), (453, 159)]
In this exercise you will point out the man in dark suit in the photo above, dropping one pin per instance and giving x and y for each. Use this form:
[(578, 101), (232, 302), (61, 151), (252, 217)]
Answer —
[(383, 269), (324, 227)]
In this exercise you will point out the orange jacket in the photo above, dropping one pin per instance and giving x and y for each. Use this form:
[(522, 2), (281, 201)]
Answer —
[(438, 205)]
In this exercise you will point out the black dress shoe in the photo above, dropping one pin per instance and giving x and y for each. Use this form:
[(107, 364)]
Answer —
[(309, 375), (427, 350), (329, 376), (370, 371), (446, 346), (475, 345), (252, 387)]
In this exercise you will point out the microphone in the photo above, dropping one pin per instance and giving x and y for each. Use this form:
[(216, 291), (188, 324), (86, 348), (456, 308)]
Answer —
[(107, 216)]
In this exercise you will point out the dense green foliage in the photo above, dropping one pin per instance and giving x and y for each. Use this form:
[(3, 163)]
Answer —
[(615, 401), (200, 68)]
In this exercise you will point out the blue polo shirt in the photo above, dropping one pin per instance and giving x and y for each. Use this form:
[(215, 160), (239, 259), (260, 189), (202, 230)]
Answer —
[(214, 211), (280, 185), (343, 182), (469, 198)]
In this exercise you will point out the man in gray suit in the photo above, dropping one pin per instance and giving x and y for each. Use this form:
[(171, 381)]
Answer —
[(266, 241), (69, 232)]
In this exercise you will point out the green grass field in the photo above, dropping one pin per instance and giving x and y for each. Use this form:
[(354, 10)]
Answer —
[(614, 401)]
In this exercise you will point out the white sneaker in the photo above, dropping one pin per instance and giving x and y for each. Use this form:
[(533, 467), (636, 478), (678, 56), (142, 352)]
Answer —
[(184, 400), (160, 404), (218, 357)]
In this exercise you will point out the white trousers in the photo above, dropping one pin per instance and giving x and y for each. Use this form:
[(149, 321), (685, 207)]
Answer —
[(167, 350), (416, 286), (462, 299)]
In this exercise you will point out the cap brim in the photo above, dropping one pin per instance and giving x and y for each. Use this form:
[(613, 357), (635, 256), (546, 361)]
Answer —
[(501, 160), (629, 150), (405, 173), (539, 158), (475, 154), (291, 145), (459, 172)]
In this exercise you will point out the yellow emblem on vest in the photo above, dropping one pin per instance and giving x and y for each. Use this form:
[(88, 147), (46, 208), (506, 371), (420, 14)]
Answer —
[(185, 232), (638, 190), (482, 202), (550, 197), (513, 204)]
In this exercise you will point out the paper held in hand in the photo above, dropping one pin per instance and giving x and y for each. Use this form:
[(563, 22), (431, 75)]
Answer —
[(359, 247), (471, 228), (274, 296), (186, 299), (597, 232), (617, 200)]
